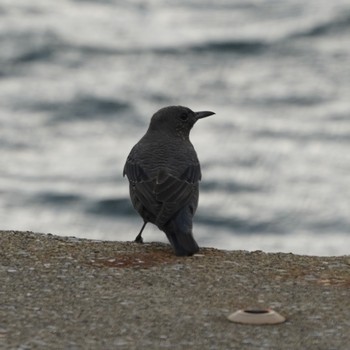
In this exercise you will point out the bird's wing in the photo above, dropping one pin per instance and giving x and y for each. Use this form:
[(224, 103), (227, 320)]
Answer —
[(134, 171), (141, 190), (192, 174), (161, 197), (175, 193)]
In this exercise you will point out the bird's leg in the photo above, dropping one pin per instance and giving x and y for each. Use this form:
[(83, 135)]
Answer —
[(138, 238)]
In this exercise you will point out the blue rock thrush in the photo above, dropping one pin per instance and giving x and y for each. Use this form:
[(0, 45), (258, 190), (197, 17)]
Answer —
[(163, 172)]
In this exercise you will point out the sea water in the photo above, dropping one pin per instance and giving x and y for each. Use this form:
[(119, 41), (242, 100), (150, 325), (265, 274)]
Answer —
[(79, 81)]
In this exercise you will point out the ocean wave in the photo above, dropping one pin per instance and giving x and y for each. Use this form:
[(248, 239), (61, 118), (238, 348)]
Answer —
[(36, 46), (340, 135), (235, 46), (105, 207), (55, 198), (229, 187), (239, 225), (230, 46), (43, 53), (84, 107), (334, 26), (111, 207), (29, 46), (292, 100)]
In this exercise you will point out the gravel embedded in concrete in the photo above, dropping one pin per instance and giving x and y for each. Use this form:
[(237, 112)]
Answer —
[(69, 293)]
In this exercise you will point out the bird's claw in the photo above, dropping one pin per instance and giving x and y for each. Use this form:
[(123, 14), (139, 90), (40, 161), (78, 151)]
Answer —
[(138, 239)]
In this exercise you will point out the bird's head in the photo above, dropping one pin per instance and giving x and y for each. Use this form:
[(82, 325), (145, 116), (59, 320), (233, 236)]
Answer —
[(176, 121)]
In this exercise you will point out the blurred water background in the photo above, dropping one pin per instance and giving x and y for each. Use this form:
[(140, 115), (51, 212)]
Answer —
[(79, 81)]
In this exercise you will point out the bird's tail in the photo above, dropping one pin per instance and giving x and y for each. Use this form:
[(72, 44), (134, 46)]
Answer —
[(183, 243), (179, 232)]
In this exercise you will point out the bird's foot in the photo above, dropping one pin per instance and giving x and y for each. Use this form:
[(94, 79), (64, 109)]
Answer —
[(138, 239)]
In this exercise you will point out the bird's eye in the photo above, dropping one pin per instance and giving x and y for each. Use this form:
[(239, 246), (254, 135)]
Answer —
[(184, 116)]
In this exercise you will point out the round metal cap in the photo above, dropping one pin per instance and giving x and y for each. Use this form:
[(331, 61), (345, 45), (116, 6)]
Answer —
[(256, 316)]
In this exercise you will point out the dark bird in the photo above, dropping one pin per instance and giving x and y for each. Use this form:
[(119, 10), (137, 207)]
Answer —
[(163, 172)]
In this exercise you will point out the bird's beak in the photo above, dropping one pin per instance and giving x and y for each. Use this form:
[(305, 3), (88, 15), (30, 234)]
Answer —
[(204, 114)]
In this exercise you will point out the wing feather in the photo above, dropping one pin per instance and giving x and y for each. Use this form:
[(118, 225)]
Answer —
[(159, 198)]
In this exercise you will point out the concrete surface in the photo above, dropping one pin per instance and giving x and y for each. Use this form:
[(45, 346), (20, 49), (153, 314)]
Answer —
[(69, 293)]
